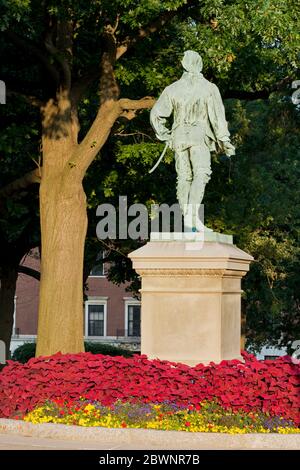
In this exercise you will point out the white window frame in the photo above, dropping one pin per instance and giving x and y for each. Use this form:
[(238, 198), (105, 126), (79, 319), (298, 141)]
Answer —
[(86, 319), (101, 275), (128, 302)]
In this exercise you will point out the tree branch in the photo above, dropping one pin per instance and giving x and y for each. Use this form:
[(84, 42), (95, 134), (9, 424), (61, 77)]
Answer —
[(131, 134), (32, 100), (100, 130), (108, 86), (144, 103), (259, 94), (246, 95), (151, 28), (130, 107), (105, 71), (21, 183), (30, 47), (62, 52), (110, 109), (82, 84), (29, 272), (94, 140)]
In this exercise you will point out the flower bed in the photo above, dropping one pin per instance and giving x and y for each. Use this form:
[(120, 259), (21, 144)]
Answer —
[(205, 417), (252, 386)]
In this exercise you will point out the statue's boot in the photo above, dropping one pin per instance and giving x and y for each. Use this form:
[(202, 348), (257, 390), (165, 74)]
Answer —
[(195, 198)]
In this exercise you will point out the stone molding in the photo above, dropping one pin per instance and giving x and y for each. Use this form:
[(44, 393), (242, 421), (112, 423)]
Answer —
[(189, 272)]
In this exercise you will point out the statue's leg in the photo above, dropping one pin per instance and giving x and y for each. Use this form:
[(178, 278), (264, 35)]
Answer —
[(200, 161), (184, 177)]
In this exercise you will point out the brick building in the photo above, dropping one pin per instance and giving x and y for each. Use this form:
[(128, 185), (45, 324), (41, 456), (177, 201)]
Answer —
[(111, 315)]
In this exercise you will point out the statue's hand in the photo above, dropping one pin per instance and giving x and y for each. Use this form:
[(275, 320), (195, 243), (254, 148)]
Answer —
[(228, 149)]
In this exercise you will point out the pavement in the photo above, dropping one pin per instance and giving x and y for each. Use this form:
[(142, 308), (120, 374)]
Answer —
[(18, 442), (20, 435)]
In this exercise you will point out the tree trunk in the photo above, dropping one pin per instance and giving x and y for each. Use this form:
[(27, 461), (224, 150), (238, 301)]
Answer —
[(9, 275), (64, 219), (63, 227)]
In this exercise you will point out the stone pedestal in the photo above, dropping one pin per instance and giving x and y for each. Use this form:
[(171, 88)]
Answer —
[(191, 300)]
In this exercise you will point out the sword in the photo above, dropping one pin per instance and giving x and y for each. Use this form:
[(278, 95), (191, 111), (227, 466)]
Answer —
[(160, 158)]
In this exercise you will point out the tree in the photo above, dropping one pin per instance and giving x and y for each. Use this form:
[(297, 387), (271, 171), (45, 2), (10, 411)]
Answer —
[(70, 45), (19, 222)]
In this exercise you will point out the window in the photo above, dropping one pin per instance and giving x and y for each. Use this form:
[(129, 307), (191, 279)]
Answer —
[(133, 320), (98, 269), (95, 318)]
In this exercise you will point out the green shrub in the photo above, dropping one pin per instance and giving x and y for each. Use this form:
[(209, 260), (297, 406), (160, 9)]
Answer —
[(24, 352), (27, 350), (108, 349)]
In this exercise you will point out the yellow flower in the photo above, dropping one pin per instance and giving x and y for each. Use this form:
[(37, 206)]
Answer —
[(89, 407)]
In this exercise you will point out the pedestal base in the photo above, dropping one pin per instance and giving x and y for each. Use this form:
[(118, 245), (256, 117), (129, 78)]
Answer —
[(191, 300)]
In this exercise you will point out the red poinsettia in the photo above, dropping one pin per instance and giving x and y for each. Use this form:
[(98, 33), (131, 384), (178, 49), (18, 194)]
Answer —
[(272, 386)]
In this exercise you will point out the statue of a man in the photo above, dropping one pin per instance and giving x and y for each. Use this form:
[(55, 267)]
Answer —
[(199, 127)]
